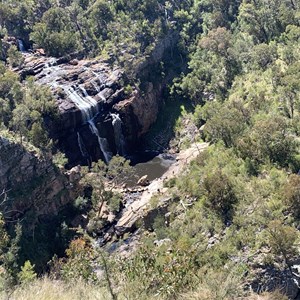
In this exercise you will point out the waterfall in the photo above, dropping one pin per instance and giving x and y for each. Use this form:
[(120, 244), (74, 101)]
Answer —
[(21, 46), (89, 99), (119, 138), (84, 103), (103, 144), (81, 146), (89, 108), (78, 95)]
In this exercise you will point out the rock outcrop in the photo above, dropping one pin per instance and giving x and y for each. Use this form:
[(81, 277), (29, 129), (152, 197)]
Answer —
[(94, 89), (86, 89), (34, 185), (141, 208)]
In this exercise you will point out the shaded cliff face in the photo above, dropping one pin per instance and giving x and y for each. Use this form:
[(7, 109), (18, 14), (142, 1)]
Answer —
[(40, 197), (33, 183)]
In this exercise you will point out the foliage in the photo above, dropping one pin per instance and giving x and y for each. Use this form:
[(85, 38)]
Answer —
[(283, 240), (15, 58), (8, 256), (105, 179), (291, 194), (163, 270), (79, 262), (237, 200), (220, 195), (60, 160), (27, 273), (24, 108)]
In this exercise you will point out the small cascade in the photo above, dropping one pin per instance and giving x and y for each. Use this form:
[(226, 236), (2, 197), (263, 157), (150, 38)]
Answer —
[(90, 100), (21, 46), (95, 85), (101, 96), (83, 106), (119, 137), (97, 76), (81, 146), (103, 144), (52, 62), (86, 104)]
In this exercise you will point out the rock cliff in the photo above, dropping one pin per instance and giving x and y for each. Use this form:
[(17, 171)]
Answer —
[(34, 185), (97, 90)]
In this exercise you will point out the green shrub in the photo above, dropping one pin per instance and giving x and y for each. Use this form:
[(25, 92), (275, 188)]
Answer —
[(219, 194), (27, 273)]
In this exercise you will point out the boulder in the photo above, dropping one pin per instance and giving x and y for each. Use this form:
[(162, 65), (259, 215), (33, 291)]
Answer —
[(143, 181), (74, 174), (40, 51)]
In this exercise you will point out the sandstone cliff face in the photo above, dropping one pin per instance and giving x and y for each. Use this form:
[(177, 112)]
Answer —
[(32, 182)]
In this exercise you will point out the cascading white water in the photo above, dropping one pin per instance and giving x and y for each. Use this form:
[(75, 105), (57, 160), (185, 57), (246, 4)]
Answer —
[(87, 105), (21, 46), (119, 138), (103, 144), (101, 96), (95, 85), (51, 63), (83, 106), (98, 77), (89, 99)]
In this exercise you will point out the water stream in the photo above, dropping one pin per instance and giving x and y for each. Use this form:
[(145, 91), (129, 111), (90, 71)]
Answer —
[(119, 137), (21, 46), (103, 144), (81, 145)]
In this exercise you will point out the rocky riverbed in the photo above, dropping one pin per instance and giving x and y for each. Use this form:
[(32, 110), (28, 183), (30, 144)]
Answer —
[(137, 201)]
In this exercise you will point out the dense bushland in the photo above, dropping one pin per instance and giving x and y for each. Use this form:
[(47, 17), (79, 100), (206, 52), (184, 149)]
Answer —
[(237, 204)]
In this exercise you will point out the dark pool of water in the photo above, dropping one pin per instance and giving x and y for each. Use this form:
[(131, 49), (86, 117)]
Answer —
[(152, 164)]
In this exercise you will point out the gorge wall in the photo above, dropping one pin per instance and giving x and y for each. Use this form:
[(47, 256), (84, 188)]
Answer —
[(102, 113), (40, 197), (33, 183)]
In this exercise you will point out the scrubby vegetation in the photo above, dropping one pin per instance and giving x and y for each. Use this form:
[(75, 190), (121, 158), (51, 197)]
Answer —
[(24, 107), (233, 217)]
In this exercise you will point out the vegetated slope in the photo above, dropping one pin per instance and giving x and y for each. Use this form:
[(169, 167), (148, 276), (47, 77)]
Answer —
[(232, 225), (236, 222)]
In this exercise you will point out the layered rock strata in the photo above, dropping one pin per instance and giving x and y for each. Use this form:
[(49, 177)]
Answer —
[(32, 183)]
